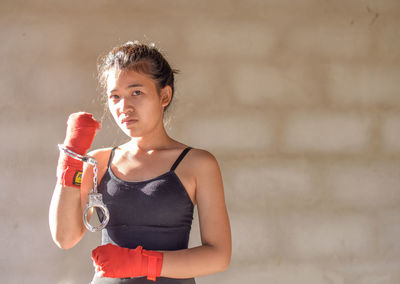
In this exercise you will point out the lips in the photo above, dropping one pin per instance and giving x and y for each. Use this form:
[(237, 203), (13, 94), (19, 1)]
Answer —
[(128, 120)]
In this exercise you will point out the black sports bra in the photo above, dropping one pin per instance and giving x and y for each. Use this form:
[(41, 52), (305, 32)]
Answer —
[(156, 213)]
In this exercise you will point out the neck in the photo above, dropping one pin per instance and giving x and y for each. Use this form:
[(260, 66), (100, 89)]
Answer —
[(153, 142)]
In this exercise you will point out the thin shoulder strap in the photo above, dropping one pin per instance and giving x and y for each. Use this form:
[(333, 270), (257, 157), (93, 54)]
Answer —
[(184, 152), (111, 156)]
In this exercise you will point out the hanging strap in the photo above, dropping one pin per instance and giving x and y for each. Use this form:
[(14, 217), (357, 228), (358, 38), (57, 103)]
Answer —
[(184, 152), (111, 156)]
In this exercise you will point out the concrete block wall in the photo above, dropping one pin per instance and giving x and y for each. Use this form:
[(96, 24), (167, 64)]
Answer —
[(298, 100)]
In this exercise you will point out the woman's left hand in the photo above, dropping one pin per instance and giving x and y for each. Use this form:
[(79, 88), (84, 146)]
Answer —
[(117, 262)]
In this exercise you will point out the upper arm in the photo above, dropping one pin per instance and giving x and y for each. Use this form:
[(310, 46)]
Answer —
[(213, 215)]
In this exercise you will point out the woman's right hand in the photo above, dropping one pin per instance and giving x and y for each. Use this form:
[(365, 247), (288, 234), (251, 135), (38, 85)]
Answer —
[(81, 129)]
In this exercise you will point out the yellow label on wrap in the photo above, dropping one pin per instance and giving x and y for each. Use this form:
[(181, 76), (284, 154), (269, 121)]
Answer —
[(77, 178)]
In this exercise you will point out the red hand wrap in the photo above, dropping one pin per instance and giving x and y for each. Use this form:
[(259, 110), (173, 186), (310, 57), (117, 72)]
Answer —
[(81, 128), (117, 262)]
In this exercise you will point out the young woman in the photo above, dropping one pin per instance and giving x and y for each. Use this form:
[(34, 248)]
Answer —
[(149, 184)]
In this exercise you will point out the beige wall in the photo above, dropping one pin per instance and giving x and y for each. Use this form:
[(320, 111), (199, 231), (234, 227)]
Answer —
[(298, 100)]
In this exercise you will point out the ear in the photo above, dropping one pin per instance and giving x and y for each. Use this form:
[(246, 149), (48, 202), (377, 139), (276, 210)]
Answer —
[(166, 95)]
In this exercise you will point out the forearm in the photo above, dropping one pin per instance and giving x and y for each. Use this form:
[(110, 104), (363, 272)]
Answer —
[(65, 216), (193, 262)]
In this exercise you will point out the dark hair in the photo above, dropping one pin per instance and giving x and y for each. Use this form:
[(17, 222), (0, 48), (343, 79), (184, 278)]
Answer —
[(141, 58)]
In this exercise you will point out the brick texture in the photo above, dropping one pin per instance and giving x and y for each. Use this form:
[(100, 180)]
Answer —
[(298, 101), (327, 132)]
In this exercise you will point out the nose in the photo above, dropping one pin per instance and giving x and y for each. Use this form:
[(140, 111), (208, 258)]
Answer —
[(125, 105)]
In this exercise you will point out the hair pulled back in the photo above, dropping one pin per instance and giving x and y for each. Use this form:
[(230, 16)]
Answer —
[(141, 58)]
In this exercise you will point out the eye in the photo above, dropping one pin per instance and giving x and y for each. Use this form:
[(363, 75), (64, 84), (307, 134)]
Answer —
[(136, 93), (113, 97)]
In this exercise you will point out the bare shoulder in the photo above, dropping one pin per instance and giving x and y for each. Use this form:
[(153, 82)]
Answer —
[(201, 155), (100, 152), (202, 161), (101, 155)]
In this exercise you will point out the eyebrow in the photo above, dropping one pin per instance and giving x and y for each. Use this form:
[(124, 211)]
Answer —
[(130, 86)]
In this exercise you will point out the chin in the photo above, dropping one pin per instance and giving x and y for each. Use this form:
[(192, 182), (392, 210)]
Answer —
[(131, 133)]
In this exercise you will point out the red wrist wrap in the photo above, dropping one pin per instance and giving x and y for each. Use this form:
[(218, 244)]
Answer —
[(154, 263), (81, 128), (117, 262)]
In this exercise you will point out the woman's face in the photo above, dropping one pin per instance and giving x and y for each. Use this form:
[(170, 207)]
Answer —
[(135, 103)]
